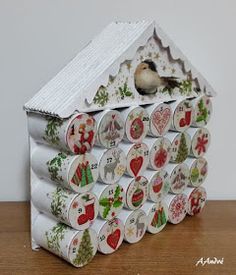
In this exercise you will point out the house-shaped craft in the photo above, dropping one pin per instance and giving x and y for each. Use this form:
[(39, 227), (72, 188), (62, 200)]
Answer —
[(127, 64)]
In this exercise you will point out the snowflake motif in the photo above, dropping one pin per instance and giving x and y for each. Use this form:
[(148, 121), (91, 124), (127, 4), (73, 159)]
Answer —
[(201, 144)]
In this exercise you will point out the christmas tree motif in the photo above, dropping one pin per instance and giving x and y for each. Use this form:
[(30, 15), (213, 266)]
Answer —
[(159, 218), (83, 175), (85, 252), (182, 151)]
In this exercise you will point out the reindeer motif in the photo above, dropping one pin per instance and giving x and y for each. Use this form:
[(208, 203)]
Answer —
[(111, 166), (140, 226)]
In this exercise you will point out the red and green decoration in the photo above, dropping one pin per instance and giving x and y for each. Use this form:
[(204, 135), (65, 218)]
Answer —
[(85, 251), (89, 214), (83, 175), (202, 114), (109, 203), (54, 166), (138, 195), (183, 150), (159, 218)]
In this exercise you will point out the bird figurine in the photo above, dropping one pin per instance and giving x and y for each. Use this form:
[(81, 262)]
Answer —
[(147, 79)]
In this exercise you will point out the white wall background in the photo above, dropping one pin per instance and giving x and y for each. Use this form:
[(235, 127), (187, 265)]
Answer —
[(37, 38)]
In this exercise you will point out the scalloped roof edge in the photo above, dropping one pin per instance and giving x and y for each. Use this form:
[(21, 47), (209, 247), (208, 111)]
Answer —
[(91, 68)]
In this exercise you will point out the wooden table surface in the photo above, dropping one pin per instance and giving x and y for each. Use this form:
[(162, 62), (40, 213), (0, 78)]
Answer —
[(175, 250)]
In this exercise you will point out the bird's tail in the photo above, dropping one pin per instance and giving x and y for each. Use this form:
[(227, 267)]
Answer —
[(171, 82)]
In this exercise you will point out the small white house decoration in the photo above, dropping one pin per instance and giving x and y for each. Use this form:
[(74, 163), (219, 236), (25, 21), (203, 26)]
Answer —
[(117, 144)]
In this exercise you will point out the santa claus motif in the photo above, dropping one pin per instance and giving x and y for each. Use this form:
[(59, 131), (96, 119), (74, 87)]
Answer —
[(81, 135)]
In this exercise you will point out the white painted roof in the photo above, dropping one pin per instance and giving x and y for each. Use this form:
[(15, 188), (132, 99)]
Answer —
[(80, 79)]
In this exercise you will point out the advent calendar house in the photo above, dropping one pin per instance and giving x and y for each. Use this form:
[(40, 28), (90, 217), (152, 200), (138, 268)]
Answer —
[(127, 64)]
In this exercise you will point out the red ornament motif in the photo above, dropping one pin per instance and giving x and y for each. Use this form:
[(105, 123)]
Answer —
[(201, 144), (137, 128)]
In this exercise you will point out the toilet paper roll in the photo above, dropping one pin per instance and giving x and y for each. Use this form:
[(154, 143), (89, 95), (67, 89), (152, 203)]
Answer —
[(137, 158), (111, 199), (179, 177), (77, 211), (110, 128), (135, 223), (76, 247), (112, 164), (158, 184), (182, 115), (110, 234), (136, 123), (202, 111), (159, 152), (136, 191), (160, 118), (75, 134), (177, 207), (198, 171), (201, 139), (180, 146), (157, 216), (196, 199), (77, 173)]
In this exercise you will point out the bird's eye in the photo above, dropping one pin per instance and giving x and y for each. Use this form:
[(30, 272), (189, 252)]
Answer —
[(145, 68)]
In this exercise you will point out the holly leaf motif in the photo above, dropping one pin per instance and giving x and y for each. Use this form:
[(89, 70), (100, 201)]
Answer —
[(106, 211), (117, 204), (104, 202), (117, 192)]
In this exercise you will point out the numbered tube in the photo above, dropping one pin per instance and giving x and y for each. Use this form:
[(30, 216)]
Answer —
[(136, 123), (201, 140), (198, 171), (110, 234), (157, 216), (182, 115), (196, 200), (77, 173), (202, 111), (76, 247), (136, 191), (179, 177), (135, 223), (112, 164), (160, 118), (137, 158), (111, 199), (177, 207), (158, 184), (75, 134), (110, 128), (180, 146), (159, 152), (77, 211)]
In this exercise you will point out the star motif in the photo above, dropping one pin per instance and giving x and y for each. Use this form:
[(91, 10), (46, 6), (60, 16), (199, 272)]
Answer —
[(130, 231)]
